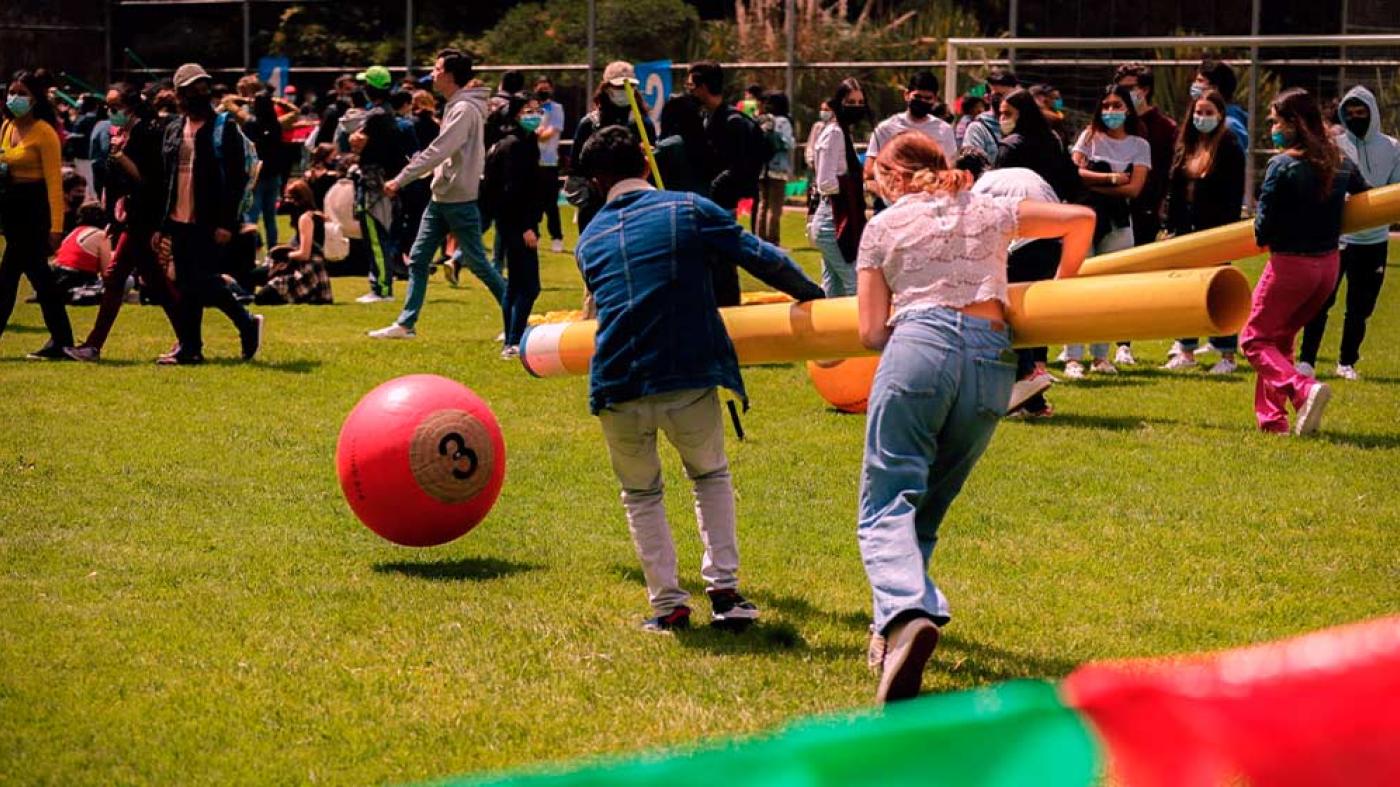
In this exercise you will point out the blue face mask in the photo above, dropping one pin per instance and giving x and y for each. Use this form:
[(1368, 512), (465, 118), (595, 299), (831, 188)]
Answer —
[(19, 106), (1279, 139), (1058, 105), (1197, 90), (1114, 120), (530, 122), (1205, 123), (118, 118)]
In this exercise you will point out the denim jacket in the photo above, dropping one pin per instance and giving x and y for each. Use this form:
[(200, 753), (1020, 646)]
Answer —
[(1292, 217), (644, 258)]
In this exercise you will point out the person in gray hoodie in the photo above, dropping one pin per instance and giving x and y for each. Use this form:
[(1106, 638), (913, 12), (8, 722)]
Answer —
[(456, 159), (1363, 253)]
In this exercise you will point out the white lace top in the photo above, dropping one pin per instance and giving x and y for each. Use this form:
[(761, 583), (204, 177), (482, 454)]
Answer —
[(941, 250)]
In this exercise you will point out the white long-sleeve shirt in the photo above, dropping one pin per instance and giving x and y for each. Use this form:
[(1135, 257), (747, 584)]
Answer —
[(830, 155)]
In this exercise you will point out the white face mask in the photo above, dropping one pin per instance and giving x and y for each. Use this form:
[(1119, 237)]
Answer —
[(1008, 126), (618, 96), (826, 115)]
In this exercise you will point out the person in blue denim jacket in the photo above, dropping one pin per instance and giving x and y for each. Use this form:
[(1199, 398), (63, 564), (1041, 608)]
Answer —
[(931, 294), (660, 354)]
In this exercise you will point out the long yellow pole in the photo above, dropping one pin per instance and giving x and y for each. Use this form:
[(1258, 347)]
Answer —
[(642, 134)]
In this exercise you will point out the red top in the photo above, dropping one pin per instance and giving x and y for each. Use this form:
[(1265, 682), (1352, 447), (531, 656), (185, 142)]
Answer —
[(73, 256)]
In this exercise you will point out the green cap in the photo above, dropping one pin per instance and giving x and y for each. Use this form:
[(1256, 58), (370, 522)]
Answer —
[(376, 77)]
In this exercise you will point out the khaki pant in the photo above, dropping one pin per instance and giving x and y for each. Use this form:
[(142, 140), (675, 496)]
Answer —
[(772, 193)]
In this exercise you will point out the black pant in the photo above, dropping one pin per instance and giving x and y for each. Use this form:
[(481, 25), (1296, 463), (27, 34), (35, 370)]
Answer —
[(1035, 261), (522, 283), (1363, 266), (549, 180), (200, 285), (1146, 225), (24, 211)]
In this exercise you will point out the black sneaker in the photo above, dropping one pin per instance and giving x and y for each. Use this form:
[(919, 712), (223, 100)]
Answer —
[(728, 609), (677, 618), (49, 352), (252, 340)]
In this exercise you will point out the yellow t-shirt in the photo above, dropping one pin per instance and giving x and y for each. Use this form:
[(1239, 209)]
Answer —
[(36, 158)]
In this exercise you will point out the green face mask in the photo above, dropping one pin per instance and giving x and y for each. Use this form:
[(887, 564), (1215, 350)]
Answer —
[(119, 118), (530, 123)]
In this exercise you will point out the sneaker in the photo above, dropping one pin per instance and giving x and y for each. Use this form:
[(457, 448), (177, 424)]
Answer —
[(1206, 349), (1310, 414), (84, 353), (510, 352), (501, 337), (557, 246), (176, 359), (1347, 372), (394, 331), (373, 297), (1225, 366), (728, 609), (1175, 350), (910, 645), (1305, 369), (253, 341), (678, 618), (1027, 414), (1124, 356), (875, 652), (1180, 361), (49, 352), (1102, 366), (450, 271), (1074, 370), (1024, 390)]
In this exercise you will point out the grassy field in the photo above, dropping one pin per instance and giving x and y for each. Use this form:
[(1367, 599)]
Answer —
[(186, 598)]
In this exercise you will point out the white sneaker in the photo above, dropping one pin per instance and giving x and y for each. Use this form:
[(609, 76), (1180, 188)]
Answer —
[(1176, 350), (371, 297), (501, 337), (450, 272), (394, 331), (1124, 356), (557, 247), (1347, 372), (1305, 369), (1225, 366), (510, 353), (1180, 361), (1206, 349), (1103, 367), (1023, 390), (1074, 370), (1310, 416)]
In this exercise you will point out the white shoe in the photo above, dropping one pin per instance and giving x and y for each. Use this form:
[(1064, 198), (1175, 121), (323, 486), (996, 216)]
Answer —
[(1310, 416), (1206, 349), (1180, 361), (557, 247), (371, 297), (1063, 356), (1305, 369), (501, 337), (450, 272), (1103, 367), (1074, 370), (1045, 373), (1224, 366), (1124, 356), (1023, 390), (1347, 372), (394, 331), (510, 353), (1176, 350)]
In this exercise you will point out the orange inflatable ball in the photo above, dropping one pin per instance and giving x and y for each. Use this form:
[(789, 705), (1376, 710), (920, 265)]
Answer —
[(845, 383), (421, 460)]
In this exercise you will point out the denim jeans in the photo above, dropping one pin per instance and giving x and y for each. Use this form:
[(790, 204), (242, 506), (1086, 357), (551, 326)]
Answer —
[(266, 192), (463, 220), (838, 274), (939, 391), (692, 423), (1116, 240), (523, 286)]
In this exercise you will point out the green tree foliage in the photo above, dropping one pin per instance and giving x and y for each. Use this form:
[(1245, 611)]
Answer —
[(556, 31)]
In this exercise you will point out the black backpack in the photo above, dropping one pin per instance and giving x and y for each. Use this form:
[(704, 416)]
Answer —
[(759, 146)]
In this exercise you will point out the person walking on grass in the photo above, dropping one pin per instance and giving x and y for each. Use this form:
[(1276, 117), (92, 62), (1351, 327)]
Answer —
[(1364, 253), (515, 196), (662, 353), (1299, 220), (456, 159), (939, 323), (548, 134)]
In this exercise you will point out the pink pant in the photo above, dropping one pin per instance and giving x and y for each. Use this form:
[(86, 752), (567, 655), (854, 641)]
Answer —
[(1290, 293)]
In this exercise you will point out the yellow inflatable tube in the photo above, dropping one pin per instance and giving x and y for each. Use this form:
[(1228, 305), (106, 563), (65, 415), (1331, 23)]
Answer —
[(1155, 305), (1374, 208)]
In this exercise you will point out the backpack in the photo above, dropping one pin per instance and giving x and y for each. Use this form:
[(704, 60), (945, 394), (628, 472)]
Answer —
[(339, 207), (758, 147), (252, 166), (334, 245)]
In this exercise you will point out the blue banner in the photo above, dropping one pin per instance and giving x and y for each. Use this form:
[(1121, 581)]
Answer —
[(274, 71), (655, 86)]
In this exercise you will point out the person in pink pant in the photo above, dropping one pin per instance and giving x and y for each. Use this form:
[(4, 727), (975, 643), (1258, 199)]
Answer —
[(1299, 220)]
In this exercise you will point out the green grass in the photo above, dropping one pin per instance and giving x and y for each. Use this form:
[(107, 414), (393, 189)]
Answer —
[(186, 597)]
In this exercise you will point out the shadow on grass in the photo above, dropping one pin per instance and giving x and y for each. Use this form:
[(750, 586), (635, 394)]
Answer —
[(978, 662), (298, 366), (1360, 440), (474, 569), (16, 328), (1112, 423)]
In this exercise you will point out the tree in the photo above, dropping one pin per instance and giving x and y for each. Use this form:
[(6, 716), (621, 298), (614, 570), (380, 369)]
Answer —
[(556, 31)]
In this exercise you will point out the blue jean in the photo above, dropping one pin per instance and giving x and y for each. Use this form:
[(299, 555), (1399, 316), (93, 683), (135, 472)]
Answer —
[(266, 192), (463, 220), (838, 274), (939, 391)]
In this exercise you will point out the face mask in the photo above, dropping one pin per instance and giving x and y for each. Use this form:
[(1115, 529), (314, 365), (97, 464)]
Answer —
[(1197, 90), (825, 115), (851, 115), (1058, 105), (920, 108), (1008, 127), (1359, 126), (618, 97), (1113, 120), (1279, 138), (1139, 98), (118, 118), (19, 106), (1205, 123), (543, 95), (749, 107), (530, 122)]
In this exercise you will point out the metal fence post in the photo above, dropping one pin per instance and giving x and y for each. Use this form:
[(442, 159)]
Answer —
[(950, 74), (247, 36), (790, 23), (408, 37), (1249, 165), (592, 53)]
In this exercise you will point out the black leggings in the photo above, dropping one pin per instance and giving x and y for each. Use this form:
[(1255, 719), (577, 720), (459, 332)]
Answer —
[(24, 211), (522, 285), (198, 281), (1363, 266), (1035, 261)]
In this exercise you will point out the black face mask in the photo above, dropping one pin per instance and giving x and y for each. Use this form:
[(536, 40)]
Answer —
[(920, 108), (1359, 126), (543, 95), (850, 115)]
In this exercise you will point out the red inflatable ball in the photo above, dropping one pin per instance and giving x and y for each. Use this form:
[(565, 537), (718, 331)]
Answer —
[(421, 460), (844, 384)]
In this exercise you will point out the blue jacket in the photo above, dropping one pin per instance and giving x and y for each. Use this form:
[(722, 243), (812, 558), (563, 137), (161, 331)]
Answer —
[(1292, 217), (1237, 121), (644, 258)]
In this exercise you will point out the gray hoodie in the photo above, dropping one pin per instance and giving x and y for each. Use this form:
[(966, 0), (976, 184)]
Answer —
[(458, 155), (1376, 155)]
